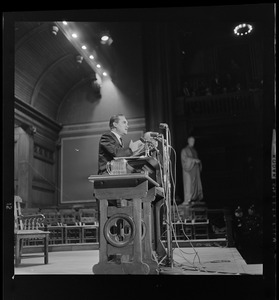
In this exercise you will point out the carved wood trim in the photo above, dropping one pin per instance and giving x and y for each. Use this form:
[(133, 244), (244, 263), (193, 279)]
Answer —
[(29, 116), (43, 153)]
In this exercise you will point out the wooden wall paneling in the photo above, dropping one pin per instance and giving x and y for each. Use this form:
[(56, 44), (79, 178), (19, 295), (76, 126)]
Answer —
[(40, 178), (24, 149), (26, 114), (44, 183), (16, 138), (42, 196)]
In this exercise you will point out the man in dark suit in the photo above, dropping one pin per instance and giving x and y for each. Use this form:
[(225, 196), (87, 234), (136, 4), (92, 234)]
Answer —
[(111, 144)]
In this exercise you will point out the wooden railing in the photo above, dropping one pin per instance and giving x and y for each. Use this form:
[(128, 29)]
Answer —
[(223, 104)]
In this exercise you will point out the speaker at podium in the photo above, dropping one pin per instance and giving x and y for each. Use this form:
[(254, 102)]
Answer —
[(127, 232)]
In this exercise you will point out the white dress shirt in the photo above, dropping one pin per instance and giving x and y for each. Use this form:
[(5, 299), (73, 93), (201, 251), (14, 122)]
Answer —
[(119, 138)]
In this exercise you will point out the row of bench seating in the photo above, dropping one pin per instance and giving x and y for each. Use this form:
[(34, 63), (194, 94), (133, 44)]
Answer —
[(67, 225), (66, 216), (44, 227)]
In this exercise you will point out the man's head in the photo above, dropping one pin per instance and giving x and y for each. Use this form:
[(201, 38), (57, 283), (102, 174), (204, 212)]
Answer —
[(191, 141), (119, 124)]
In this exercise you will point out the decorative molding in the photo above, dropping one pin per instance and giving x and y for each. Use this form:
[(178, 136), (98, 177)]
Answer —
[(26, 115), (136, 124), (32, 130), (45, 142), (43, 153)]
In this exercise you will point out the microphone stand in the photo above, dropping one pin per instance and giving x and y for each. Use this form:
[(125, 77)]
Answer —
[(167, 188)]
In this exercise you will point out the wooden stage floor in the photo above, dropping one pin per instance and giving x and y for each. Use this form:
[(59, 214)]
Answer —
[(186, 261)]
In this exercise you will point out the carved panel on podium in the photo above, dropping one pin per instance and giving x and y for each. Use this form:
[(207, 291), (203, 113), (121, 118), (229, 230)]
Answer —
[(125, 230)]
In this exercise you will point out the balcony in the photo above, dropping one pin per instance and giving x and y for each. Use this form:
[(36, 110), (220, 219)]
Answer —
[(227, 104)]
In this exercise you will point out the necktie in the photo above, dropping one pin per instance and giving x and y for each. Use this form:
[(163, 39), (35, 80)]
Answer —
[(121, 142)]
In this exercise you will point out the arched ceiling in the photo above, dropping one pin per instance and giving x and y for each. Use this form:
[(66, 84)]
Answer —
[(46, 69)]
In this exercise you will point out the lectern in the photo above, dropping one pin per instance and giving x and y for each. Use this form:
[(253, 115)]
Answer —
[(126, 232)]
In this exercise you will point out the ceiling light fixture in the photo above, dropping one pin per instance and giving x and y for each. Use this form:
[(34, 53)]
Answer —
[(79, 59), (70, 32), (106, 39), (54, 29), (243, 29)]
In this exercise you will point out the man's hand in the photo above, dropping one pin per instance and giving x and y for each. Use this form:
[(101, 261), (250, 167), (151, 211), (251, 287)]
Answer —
[(136, 147)]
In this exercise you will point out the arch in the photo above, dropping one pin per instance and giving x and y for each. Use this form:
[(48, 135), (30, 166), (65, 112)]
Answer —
[(44, 75)]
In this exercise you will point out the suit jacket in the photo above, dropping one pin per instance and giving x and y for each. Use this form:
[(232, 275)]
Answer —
[(109, 147)]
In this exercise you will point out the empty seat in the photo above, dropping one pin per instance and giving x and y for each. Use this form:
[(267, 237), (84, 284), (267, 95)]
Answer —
[(72, 226), (90, 226), (26, 228), (54, 225)]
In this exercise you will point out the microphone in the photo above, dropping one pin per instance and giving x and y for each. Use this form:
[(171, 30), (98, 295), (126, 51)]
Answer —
[(163, 125), (154, 134), (148, 136), (159, 139)]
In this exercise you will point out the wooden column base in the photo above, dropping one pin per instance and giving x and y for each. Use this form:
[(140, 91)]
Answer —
[(121, 268)]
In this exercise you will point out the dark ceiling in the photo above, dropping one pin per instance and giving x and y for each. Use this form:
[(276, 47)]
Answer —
[(46, 70)]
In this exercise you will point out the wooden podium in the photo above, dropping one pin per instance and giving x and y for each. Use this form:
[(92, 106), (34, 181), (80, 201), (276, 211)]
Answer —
[(126, 232)]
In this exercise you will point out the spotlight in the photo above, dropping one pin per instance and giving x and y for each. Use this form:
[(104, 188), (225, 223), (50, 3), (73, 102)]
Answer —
[(79, 59), (54, 29), (106, 39)]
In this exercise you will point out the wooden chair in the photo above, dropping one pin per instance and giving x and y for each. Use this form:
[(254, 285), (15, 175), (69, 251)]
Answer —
[(200, 222), (26, 227), (54, 225), (89, 225), (70, 222)]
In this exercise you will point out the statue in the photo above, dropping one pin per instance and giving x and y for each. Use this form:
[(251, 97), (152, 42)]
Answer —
[(191, 169)]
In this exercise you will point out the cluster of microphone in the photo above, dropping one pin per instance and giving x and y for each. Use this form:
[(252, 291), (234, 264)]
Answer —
[(156, 135)]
